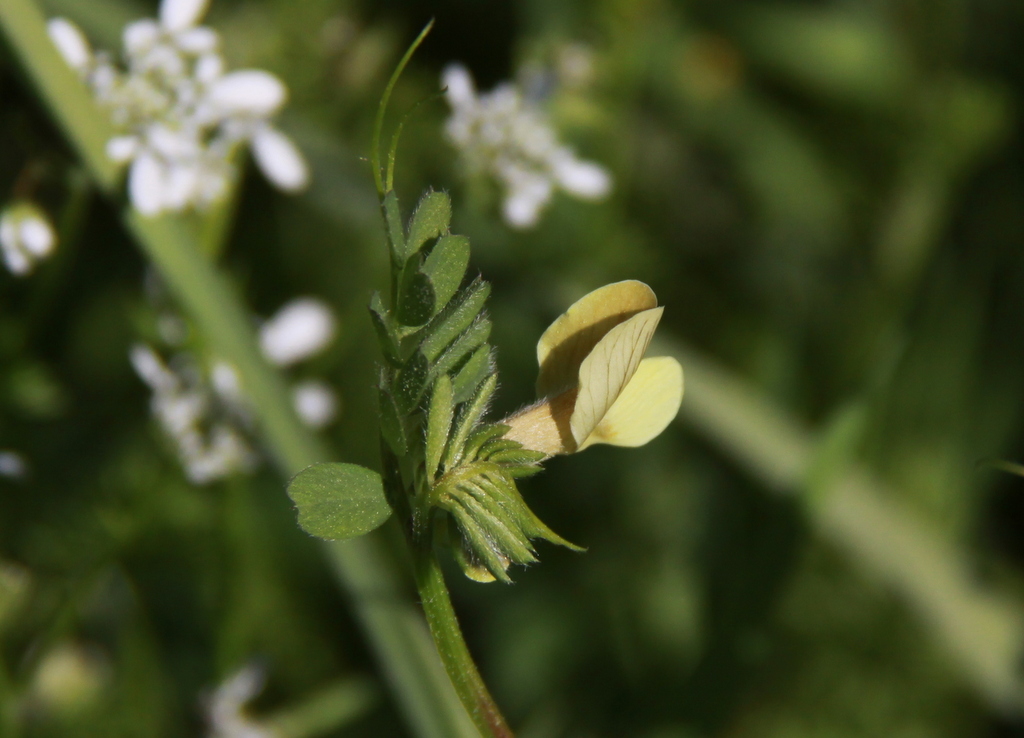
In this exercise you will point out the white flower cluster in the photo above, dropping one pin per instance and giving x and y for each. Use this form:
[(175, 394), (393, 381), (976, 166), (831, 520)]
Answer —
[(26, 237), (226, 707), (502, 134), (180, 115), (205, 413)]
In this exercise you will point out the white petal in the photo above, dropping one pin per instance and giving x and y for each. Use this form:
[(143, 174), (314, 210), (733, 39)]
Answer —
[(248, 91), (12, 465), (146, 185), (16, 261), (182, 183), (152, 370), (201, 40), (527, 196), (37, 235), (122, 149), (177, 15), (226, 382), (208, 68), (300, 329), (315, 403), (139, 36), (70, 42), (460, 90), (279, 159), (581, 178)]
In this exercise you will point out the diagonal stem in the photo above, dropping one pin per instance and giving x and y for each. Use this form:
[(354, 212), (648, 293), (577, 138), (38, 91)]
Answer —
[(444, 627)]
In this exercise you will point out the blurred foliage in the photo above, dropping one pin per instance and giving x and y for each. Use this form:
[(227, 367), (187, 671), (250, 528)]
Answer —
[(825, 195)]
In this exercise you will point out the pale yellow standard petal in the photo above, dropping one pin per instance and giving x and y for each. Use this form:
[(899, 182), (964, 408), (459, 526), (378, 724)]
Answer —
[(649, 402), (567, 342), (607, 369)]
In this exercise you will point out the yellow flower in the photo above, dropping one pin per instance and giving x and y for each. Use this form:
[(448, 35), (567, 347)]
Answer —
[(596, 385)]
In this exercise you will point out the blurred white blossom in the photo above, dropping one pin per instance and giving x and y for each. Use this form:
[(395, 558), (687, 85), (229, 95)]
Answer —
[(12, 464), (302, 328), (204, 409), (502, 134), (226, 707), (206, 431), (315, 402), (26, 236), (179, 113)]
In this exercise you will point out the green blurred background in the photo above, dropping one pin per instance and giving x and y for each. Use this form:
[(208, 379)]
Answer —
[(828, 198)]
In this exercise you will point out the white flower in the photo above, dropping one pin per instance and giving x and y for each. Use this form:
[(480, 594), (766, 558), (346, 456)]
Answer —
[(300, 329), (199, 415), (226, 707), (315, 402), (180, 116), (26, 237), (12, 465), (502, 134)]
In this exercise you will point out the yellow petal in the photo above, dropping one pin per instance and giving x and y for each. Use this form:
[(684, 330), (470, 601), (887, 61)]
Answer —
[(607, 369), (649, 402), (568, 341)]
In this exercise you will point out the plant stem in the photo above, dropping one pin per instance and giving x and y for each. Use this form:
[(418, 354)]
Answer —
[(455, 656), (393, 627)]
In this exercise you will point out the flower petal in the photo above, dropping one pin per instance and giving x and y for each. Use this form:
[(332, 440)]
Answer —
[(279, 159), (649, 402), (177, 15), (608, 368), (37, 235), (140, 36), (566, 343), (70, 42), (315, 402), (458, 82), (146, 185), (584, 179), (302, 328), (248, 91)]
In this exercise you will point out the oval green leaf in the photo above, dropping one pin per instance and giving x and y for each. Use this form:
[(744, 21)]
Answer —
[(337, 501)]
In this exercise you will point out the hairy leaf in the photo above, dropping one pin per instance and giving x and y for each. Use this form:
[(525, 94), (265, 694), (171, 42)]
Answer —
[(337, 501)]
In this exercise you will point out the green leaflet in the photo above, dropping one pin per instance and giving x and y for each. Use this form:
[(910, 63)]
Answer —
[(473, 371), (415, 296), (445, 267), (471, 338), (468, 418), (391, 427), (433, 213), (439, 423), (337, 501), (456, 317)]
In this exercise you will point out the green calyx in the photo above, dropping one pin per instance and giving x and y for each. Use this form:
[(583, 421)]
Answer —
[(434, 389)]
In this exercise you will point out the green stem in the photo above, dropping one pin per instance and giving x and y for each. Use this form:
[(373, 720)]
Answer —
[(455, 656), (392, 625)]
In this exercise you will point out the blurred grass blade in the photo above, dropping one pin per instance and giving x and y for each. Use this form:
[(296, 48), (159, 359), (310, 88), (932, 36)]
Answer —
[(981, 628)]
